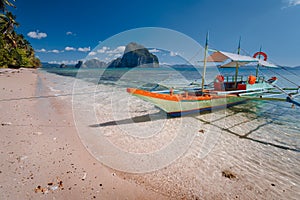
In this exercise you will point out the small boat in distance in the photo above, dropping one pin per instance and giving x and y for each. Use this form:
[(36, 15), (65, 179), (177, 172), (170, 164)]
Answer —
[(223, 92)]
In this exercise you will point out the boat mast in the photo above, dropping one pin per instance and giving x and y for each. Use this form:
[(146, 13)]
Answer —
[(237, 64), (258, 63), (205, 60)]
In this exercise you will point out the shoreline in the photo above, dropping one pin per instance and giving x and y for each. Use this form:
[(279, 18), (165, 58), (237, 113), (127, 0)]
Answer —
[(42, 155)]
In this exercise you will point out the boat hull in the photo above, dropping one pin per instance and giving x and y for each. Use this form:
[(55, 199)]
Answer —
[(205, 109), (175, 105)]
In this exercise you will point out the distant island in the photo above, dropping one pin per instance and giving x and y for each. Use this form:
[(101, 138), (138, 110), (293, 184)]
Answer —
[(135, 55)]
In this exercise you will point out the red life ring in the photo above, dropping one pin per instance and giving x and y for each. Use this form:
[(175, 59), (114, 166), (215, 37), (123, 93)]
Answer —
[(261, 53), (220, 78)]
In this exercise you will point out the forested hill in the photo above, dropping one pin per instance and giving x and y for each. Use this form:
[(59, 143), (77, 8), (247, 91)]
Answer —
[(15, 50)]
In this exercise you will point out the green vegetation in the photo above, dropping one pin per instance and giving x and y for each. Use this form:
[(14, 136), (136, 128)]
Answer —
[(15, 50)]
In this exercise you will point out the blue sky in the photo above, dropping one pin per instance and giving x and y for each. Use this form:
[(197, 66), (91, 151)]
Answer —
[(66, 31)]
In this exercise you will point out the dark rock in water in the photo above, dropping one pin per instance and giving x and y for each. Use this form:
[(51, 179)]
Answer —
[(135, 55), (62, 66), (79, 64), (115, 63), (94, 63)]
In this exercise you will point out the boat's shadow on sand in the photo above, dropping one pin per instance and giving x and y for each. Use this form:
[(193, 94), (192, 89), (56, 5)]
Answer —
[(161, 116), (137, 119)]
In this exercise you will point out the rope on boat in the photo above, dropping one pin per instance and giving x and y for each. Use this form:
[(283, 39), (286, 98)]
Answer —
[(290, 72), (296, 84)]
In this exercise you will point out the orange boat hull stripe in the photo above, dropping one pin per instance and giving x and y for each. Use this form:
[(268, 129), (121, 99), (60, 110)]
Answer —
[(174, 97)]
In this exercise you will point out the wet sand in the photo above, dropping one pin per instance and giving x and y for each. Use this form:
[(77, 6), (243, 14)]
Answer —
[(41, 154)]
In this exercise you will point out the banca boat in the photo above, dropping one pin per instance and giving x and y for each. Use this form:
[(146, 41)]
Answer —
[(223, 91)]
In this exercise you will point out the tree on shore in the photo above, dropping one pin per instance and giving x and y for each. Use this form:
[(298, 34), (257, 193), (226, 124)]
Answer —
[(15, 50), (4, 3)]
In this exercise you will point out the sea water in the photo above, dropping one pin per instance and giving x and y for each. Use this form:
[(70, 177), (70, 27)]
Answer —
[(260, 139)]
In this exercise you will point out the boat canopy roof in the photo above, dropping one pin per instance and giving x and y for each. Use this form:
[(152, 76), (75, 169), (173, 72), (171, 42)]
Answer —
[(266, 64), (221, 56), (233, 64)]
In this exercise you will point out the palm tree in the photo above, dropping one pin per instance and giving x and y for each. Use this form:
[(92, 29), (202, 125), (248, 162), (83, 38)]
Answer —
[(7, 26), (7, 22), (15, 50), (4, 3)]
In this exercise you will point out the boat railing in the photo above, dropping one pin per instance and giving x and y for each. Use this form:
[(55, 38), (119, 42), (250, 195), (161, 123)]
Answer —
[(242, 79)]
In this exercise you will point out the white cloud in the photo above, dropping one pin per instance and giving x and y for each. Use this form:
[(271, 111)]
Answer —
[(67, 48), (70, 49), (173, 53), (41, 50), (108, 59), (107, 50), (117, 55), (294, 2), (36, 34), (53, 62), (103, 49), (92, 53), (154, 50), (54, 51), (66, 62), (119, 49), (70, 33), (84, 49), (48, 51), (291, 3)]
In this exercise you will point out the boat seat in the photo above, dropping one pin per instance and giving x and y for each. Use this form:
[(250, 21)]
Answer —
[(241, 86)]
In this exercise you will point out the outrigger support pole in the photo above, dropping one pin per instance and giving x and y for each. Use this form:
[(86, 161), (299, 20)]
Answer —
[(290, 97), (205, 60), (258, 63), (290, 100), (237, 65)]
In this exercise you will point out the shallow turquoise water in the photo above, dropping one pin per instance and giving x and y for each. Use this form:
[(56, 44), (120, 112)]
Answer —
[(278, 114)]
